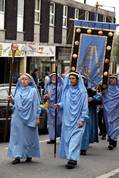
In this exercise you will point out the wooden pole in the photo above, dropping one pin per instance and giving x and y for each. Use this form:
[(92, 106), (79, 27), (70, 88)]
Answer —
[(55, 145), (13, 48)]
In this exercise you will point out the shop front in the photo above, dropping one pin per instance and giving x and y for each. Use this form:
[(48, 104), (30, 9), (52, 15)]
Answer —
[(5, 59), (40, 57)]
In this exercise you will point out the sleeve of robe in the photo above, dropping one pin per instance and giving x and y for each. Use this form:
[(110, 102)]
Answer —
[(84, 115)]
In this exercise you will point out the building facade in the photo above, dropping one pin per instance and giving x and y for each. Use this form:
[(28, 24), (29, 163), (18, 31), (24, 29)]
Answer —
[(43, 30)]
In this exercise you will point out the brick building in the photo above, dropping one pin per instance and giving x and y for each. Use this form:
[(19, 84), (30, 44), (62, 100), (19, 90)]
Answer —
[(43, 30)]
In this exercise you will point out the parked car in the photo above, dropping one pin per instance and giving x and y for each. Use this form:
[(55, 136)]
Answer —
[(3, 108)]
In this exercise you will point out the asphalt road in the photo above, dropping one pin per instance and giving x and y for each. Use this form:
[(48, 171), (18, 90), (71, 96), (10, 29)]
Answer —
[(97, 162)]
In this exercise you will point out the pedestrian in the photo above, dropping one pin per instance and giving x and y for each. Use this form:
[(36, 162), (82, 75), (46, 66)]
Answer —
[(24, 140), (111, 111), (50, 95), (91, 131), (47, 74), (75, 112), (35, 76)]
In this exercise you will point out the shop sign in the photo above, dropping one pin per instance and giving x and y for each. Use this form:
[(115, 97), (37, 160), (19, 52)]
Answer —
[(40, 51), (5, 50)]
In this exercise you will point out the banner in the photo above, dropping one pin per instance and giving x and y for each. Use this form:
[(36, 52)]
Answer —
[(91, 50)]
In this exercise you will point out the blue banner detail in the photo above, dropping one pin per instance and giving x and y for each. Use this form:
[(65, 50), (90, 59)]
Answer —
[(91, 57), (94, 24)]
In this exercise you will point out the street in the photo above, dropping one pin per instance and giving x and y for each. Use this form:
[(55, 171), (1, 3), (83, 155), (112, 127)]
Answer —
[(97, 162)]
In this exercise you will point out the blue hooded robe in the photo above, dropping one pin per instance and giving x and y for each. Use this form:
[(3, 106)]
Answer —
[(75, 107), (51, 88), (24, 139), (91, 131), (111, 111)]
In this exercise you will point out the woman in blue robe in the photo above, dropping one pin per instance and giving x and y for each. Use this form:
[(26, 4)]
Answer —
[(111, 111), (50, 95), (75, 112), (91, 131), (24, 139)]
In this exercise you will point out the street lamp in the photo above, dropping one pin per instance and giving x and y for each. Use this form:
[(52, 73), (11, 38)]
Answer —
[(14, 48)]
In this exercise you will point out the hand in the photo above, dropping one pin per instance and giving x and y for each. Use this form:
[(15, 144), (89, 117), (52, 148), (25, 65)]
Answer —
[(46, 96), (9, 98), (90, 99), (38, 121), (56, 106), (80, 124)]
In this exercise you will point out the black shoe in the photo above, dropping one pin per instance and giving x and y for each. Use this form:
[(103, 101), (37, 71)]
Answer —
[(71, 164), (114, 144), (83, 152), (110, 147), (100, 133), (51, 142), (16, 161), (28, 160)]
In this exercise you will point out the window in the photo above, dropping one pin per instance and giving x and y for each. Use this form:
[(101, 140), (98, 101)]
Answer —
[(65, 11), (86, 15), (76, 14), (37, 11), (20, 14), (20, 7), (52, 14), (104, 18), (2, 5)]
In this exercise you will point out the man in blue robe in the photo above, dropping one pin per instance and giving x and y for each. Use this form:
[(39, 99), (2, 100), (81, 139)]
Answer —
[(24, 140), (91, 130), (75, 112), (111, 111), (50, 95)]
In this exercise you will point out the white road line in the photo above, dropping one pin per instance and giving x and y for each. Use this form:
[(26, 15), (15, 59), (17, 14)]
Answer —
[(109, 174)]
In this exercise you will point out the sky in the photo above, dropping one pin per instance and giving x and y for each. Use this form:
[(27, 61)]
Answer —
[(112, 5)]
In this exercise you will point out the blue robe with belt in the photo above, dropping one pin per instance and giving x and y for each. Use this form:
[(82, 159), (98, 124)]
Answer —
[(111, 111), (24, 139), (51, 89), (75, 108)]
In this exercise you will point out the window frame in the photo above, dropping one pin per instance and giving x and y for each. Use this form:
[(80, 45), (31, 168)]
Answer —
[(52, 14), (65, 15), (3, 6), (37, 11), (76, 14)]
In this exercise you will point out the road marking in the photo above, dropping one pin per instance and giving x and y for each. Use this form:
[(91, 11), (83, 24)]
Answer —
[(109, 174)]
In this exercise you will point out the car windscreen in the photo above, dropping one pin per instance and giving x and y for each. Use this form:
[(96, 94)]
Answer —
[(4, 93)]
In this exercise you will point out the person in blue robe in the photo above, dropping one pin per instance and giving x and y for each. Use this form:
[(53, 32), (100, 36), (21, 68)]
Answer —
[(91, 131), (111, 111), (75, 112), (24, 139), (50, 95)]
